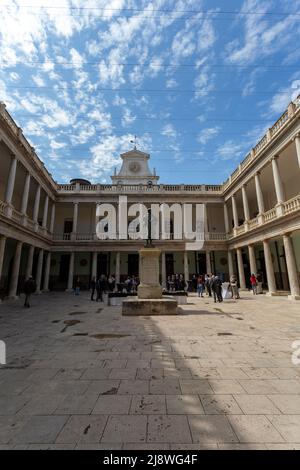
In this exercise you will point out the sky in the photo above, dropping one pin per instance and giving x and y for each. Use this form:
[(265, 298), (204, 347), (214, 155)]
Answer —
[(197, 81)]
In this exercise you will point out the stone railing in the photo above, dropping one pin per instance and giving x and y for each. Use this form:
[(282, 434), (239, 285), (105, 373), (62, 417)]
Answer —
[(17, 216), (270, 215), (209, 236), (284, 119), (140, 188), (292, 205), (2, 207), (252, 223)]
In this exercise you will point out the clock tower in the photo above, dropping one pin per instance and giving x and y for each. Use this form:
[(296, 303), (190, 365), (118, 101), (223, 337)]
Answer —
[(135, 169)]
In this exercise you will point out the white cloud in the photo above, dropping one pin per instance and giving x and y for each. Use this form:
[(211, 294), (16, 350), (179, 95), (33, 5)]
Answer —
[(207, 134)]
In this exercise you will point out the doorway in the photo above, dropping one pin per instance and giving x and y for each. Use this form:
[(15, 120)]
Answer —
[(133, 264)]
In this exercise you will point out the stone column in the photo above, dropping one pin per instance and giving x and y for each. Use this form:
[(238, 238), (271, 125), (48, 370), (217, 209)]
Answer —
[(230, 263), (29, 262), (208, 263), (118, 262), (241, 268), (206, 229), (269, 268), (297, 143), (260, 198), (2, 251), (252, 259), (186, 266), (226, 218), (39, 271), (278, 186), (291, 267), (37, 204), (47, 272), (163, 270), (45, 215), (234, 211), (15, 272), (52, 219), (71, 271), (25, 194), (245, 204), (11, 180), (75, 219), (94, 264)]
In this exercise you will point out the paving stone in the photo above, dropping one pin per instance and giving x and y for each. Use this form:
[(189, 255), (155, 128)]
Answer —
[(288, 426), (168, 428), (77, 404), (219, 404), (122, 374), (164, 387), (104, 387), (184, 404), (148, 404), (13, 405), (112, 404), (82, 429), (254, 428), (96, 373), (43, 404), (40, 430), (131, 387), (147, 374), (212, 428), (195, 386), (225, 386), (287, 404), (125, 428), (256, 404)]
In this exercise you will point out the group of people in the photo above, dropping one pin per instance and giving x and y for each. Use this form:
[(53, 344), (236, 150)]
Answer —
[(102, 285), (211, 284), (176, 282)]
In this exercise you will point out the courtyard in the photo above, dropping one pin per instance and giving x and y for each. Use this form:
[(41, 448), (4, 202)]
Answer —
[(217, 376)]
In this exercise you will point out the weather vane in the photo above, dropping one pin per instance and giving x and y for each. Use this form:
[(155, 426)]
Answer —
[(134, 141)]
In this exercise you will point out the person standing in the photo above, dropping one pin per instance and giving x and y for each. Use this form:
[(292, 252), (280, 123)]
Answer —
[(200, 285), (216, 287), (207, 284), (77, 286), (253, 282), (234, 287), (29, 288), (93, 287)]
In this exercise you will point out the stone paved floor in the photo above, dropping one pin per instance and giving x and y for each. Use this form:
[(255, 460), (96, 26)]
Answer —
[(78, 375)]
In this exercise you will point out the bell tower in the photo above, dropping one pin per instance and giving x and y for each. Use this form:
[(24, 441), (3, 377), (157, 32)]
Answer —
[(135, 169)]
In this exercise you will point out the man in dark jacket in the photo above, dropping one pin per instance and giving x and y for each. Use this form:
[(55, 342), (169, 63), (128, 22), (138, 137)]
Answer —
[(93, 287), (29, 288), (216, 287)]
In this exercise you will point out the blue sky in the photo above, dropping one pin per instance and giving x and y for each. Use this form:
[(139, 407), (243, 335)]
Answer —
[(198, 81)]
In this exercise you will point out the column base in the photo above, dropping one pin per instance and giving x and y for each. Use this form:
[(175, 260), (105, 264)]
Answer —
[(13, 297), (261, 219), (279, 209), (272, 294), (293, 297), (69, 290), (45, 290)]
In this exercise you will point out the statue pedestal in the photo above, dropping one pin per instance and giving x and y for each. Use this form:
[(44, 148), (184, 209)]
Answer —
[(150, 300), (149, 287)]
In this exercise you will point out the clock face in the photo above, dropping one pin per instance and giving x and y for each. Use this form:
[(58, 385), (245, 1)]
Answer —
[(134, 167)]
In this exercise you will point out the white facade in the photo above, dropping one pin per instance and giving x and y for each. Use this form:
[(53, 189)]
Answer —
[(252, 220)]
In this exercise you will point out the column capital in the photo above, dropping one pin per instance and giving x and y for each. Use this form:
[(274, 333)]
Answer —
[(275, 157), (296, 136), (257, 173)]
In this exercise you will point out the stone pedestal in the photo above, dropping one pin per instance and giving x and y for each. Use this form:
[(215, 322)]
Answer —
[(149, 307), (149, 287), (149, 301)]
